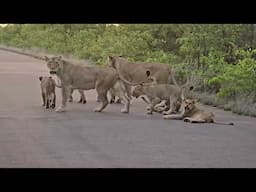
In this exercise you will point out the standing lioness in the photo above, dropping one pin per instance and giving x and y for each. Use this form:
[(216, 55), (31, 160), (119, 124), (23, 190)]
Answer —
[(86, 78), (134, 72), (48, 92)]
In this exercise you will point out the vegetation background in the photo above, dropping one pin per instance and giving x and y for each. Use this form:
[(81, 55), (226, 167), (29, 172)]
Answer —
[(222, 56)]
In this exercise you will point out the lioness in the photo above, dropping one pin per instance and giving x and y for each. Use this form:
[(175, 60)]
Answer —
[(48, 92), (85, 78), (134, 72), (190, 113)]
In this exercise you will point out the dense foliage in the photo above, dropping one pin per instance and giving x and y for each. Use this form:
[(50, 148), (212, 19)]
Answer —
[(222, 55)]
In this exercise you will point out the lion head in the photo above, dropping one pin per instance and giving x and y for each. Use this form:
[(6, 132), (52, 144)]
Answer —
[(55, 64), (114, 61), (187, 106)]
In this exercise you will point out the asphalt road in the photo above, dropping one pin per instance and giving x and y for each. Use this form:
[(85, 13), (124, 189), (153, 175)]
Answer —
[(33, 137)]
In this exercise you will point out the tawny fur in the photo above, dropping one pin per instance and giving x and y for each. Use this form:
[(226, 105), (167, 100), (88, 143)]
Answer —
[(48, 91), (134, 72), (86, 78), (191, 113)]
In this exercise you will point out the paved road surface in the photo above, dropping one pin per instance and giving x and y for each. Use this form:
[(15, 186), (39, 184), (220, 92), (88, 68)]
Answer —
[(32, 137)]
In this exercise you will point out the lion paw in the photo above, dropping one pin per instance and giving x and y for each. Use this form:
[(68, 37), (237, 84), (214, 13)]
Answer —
[(186, 120), (98, 100), (60, 109), (70, 100), (124, 111), (165, 113), (118, 101), (97, 110), (149, 112)]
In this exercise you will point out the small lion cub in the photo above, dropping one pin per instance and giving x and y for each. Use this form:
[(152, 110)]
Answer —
[(48, 92)]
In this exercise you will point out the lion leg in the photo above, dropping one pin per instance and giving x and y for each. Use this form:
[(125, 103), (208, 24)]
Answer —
[(125, 99), (152, 105), (82, 96), (173, 116), (112, 94), (193, 120), (102, 95), (160, 107), (65, 93), (119, 100), (145, 100), (47, 104), (43, 97), (128, 89), (171, 109), (70, 99), (54, 101), (98, 99), (112, 100)]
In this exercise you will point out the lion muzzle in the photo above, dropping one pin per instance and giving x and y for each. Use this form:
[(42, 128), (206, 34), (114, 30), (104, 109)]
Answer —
[(52, 72)]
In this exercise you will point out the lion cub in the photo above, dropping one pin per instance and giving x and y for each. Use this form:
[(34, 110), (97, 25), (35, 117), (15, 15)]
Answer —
[(48, 92), (190, 113)]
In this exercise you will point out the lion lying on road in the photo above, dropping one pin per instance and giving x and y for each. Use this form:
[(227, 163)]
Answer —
[(190, 113), (48, 91), (85, 78)]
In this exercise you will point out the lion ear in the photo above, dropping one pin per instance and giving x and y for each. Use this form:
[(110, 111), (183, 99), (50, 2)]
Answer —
[(195, 101), (46, 58), (59, 57), (40, 78), (148, 73), (191, 88), (111, 57)]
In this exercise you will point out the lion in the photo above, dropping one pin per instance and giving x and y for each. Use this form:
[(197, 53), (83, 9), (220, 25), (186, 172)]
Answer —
[(134, 72), (157, 93), (191, 113), (86, 78), (48, 92), (161, 94)]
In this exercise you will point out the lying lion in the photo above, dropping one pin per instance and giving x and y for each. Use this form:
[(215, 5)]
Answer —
[(48, 92), (85, 78), (190, 113)]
